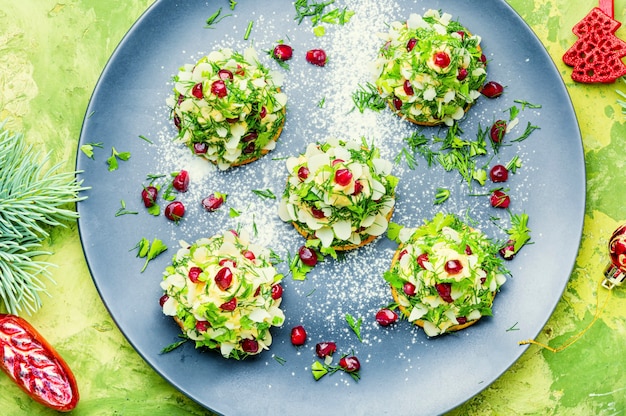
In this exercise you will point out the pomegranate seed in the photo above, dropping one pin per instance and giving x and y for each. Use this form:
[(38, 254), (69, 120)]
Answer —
[(441, 59), (461, 320), (317, 213), (277, 292), (316, 57), (251, 346), (219, 88), (177, 121), (461, 33), (325, 349), (174, 211), (462, 74), (468, 250), (508, 251), (402, 254), (421, 259), (212, 202), (453, 266), (500, 199), (196, 91), (225, 74), (343, 177), (308, 256), (497, 131), (163, 299), (358, 187), (411, 44), (200, 148), (445, 290), (223, 262), (149, 196), (298, 335), (194, 274), (231, 305), (263, 112), (499, 173), (408, 88), (250, 137), (282, 52), (181, 181), (409, 289), (350, 364), (240, 71), (202, 326), (397, 104), (224, 278), (386, 317), (492, 89), (336, 162), (303, 173), (248, 255), (483, 58)]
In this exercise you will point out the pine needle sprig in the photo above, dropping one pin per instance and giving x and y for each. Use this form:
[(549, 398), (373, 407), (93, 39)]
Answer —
[(33, 199)]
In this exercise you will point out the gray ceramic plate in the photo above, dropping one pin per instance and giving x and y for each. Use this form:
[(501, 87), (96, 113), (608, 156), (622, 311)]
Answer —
[(403, 371)]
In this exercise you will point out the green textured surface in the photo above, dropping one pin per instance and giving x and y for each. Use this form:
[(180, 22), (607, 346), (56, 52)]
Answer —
[(51, 55)]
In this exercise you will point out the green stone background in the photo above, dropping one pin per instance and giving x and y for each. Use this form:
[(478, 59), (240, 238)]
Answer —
[(51, 54)]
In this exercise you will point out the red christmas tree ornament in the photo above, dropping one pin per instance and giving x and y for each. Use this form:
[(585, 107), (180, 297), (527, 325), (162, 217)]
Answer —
[(596, 55), (615, 272)]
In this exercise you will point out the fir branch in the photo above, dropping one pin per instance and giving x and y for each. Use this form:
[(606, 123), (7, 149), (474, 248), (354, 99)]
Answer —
[(32, 200)]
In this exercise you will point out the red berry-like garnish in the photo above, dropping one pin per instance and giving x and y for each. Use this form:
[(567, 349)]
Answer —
[(492, 89), (497, 131), (343, 177), (397, 104), (317, 213), (499, 199), (325, 349), (251, 346), (303, 173), (282, 52), (441, 59), (224, 278), (316, 57), (277, 291), (194, 274), (468, 250), (453, 266), (409, 289), (202, 326), (231, 305), (358, 188), (408, 88), (263, 112), (248, 255), (149, 196), (411, 44), (200, 148), (386, 317), (196, 90), (298, 335), (308, 256), (445, 290), (163, 299), (181, 181), (508, 251), (462, 74), (499, 173), (461, 320), (225, 74), (350, 364), (174, 211), (212, 202), (219, 88), (421, 259)]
